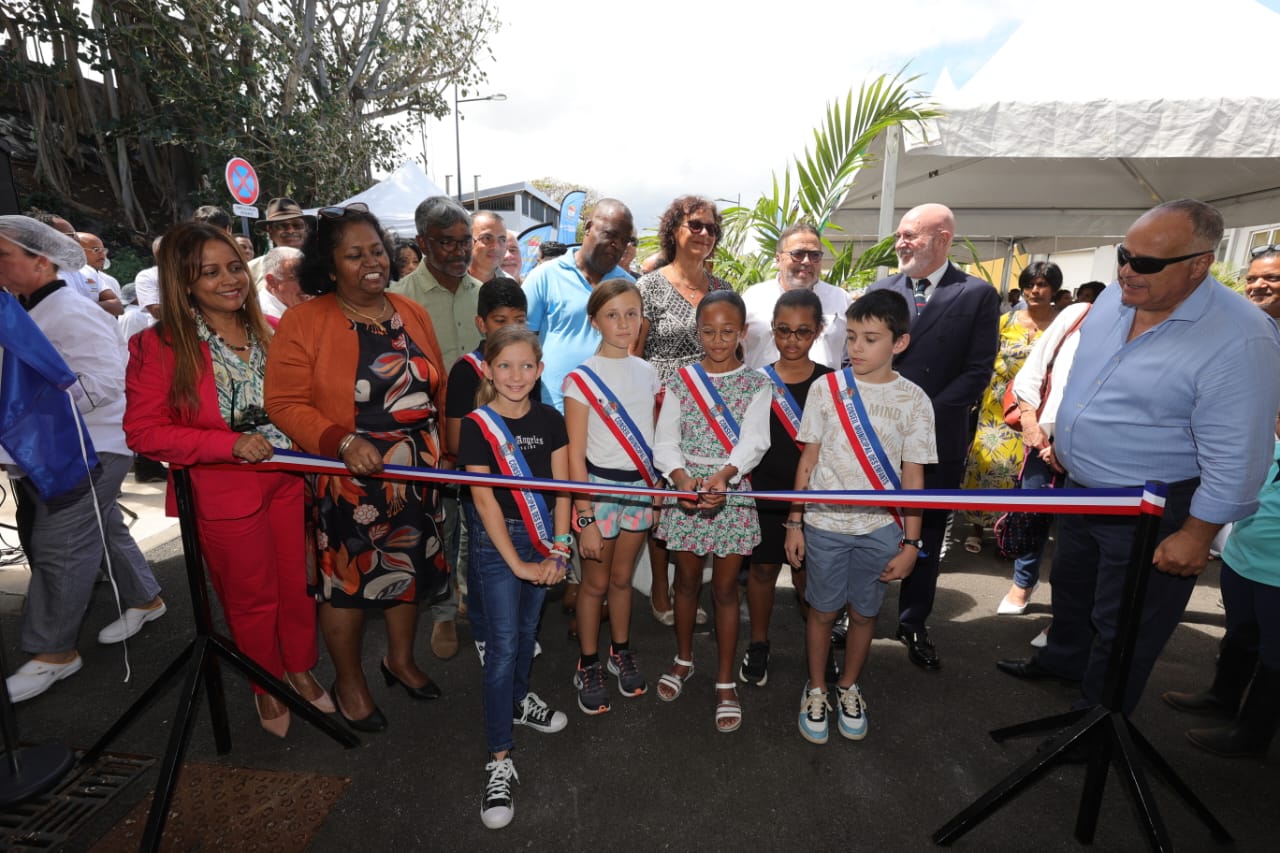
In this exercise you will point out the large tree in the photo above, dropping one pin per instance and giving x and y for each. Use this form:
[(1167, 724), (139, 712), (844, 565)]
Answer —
[(302, 88)]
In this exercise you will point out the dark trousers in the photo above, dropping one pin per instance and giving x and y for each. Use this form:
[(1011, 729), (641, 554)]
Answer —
[(1253, 616), (915, 600), (1090, 563)]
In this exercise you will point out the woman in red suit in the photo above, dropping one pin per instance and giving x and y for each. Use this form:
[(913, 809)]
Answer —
[(194, 390)]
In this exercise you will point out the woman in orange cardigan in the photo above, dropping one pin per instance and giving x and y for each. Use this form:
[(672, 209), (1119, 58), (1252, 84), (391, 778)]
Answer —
[(357, 374), (194, 392)]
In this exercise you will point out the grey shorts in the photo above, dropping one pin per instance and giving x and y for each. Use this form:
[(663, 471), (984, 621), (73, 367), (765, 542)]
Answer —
[(843, 568)]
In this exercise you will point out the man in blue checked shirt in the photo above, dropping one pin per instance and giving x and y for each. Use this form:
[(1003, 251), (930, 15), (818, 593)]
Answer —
[(1175, 380)]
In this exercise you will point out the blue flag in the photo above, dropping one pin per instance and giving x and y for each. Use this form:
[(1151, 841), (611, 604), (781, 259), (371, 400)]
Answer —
[(39, 424), (570, 214), (531, 240)]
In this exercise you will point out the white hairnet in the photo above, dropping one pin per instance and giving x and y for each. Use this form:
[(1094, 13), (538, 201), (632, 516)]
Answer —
[(39, 239)]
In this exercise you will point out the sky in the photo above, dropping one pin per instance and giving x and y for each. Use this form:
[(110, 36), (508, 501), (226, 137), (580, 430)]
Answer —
[(713, 97)]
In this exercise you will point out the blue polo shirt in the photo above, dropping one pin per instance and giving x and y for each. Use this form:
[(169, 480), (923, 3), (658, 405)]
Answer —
[(558, 293), (1195, 396)]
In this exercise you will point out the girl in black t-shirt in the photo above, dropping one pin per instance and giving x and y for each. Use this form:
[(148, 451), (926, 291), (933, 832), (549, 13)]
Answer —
[(521, 547)]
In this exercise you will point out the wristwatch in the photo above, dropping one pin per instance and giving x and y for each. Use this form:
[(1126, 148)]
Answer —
[(581, 522), (918, 543)]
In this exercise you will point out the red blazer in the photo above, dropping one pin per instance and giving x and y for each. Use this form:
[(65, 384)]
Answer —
[(156, 429)]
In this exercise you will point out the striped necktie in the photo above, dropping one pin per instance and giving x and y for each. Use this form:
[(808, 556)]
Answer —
[(921, 286)]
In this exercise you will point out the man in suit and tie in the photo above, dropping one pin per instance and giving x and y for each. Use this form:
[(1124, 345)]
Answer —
[(954, 339)]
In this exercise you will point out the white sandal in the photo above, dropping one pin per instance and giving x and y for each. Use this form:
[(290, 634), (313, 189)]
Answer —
[(673, 681), (728, 709)]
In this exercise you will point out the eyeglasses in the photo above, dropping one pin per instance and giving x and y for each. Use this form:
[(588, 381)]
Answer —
[(804, 333), (1262, 250), (721, 334), (697, 226), (339, 211), (802, 255), (1150, 266), (450, 244)]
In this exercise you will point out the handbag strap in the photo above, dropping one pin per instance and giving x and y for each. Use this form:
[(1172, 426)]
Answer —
[(1071, 331)]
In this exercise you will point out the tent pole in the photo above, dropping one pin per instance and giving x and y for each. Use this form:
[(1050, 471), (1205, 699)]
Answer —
[(889, 185)]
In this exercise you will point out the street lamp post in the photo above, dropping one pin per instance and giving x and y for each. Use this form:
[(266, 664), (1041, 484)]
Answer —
[(457, 132)]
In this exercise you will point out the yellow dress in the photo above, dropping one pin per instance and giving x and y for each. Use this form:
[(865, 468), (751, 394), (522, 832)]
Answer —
[(995, 459)]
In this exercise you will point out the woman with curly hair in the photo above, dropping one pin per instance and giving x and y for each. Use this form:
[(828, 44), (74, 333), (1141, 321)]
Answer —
[(356, 374)]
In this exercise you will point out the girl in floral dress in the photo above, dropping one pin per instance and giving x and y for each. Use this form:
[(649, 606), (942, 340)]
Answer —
[(712, 430)]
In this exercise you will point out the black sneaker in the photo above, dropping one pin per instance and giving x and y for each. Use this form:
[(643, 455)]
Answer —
[(593, 689), (755, 665), (534, 713), (623, 665), (498, 808)]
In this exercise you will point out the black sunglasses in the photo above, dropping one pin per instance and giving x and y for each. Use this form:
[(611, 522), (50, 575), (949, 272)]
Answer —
[(338, 211), (698, 226), (1150, 266)]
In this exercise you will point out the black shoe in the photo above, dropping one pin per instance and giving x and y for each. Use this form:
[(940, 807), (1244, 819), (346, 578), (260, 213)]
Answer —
[(430, 690), (919, 648), (1031, 670), (375, 722), (755, 664), (1206, 703)]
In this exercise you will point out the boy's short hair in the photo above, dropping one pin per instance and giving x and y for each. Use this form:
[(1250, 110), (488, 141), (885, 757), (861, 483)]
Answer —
[(885, 305), (500, 292)]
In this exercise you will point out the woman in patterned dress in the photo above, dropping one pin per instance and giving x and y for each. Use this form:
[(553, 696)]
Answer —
[(356, 374), (995, 459), (688, 232)]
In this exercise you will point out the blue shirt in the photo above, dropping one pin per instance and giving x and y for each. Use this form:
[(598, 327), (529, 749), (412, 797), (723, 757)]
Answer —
[(1195, 396), (558, 292), (1253, 548)]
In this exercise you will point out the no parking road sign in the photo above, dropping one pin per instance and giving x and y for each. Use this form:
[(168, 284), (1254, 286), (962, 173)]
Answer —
[(242, 180)]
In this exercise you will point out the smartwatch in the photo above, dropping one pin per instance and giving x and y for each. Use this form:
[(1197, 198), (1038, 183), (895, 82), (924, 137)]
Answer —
[(918, 543)]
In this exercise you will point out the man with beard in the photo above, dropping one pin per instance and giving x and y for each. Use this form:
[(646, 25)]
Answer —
[(954, 339), (558, 291)]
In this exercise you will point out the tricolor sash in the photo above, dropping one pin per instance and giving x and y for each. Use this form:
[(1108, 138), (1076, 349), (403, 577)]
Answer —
[(604, 402), (476, 360), (711, 404), (784, 404), (511, 461), (862, 435)]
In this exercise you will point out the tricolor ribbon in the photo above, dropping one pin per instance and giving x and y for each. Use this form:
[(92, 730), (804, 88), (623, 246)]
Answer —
[(511, 461), (862, 435), (784, 404), (605, 404)]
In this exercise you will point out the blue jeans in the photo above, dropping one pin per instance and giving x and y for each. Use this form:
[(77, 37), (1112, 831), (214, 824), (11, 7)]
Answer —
[(469, 521), (1036, 474), (512, 608)]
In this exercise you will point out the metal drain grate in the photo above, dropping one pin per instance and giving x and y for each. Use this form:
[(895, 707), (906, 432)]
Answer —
[(45, 822)]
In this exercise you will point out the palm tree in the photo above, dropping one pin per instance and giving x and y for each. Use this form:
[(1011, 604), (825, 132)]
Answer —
[(813, 188)]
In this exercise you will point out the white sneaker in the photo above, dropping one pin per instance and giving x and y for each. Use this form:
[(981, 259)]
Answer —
[(498, 807), (130, 623), (35, 677), (480, 650)]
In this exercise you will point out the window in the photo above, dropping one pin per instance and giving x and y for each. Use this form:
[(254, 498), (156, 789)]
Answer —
[(504, 203)]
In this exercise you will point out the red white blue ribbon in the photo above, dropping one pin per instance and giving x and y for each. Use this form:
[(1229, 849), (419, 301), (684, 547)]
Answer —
[(862, 435), (711, 404), (605, 404), (1119, 502), (476, 360), (784, 404), (511, 461)]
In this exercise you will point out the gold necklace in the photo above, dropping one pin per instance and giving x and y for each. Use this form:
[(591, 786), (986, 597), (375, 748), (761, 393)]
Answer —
[(376, 320)]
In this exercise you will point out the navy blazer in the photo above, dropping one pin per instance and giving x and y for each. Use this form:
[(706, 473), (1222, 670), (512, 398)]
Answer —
[(952, 352)]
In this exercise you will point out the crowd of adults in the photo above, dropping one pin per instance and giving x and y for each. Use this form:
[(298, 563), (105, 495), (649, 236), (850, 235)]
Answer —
[(338, 341)]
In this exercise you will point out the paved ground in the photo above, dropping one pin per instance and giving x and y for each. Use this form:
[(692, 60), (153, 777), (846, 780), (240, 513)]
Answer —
[(657, 776)]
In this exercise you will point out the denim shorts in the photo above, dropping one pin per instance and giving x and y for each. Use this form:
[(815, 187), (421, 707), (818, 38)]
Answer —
[(845, 568)]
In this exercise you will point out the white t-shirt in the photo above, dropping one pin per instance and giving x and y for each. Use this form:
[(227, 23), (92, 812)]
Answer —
[(828, 348), (635, 383), (146, 287), (902, 417)]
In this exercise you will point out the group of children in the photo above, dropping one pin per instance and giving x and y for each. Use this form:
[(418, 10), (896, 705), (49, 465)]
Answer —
[(799, 424)]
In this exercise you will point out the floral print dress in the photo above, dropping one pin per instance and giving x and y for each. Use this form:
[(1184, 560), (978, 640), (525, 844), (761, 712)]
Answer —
[(377, 540), (673, 341), (995, 459)]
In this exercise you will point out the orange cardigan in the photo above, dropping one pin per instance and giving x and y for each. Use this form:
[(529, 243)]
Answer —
[(311, 370)]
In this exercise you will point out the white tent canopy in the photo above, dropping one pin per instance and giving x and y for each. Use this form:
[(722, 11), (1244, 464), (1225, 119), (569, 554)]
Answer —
[(395, 197), (1091, 113)]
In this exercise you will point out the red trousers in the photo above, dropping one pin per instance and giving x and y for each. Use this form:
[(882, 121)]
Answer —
[(258, 567)]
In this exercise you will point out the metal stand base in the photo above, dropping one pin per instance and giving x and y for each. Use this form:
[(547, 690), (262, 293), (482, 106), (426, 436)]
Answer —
[(30, 770)]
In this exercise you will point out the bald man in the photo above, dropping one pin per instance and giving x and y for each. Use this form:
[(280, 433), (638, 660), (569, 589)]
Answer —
[(954, 339), (105, 286)]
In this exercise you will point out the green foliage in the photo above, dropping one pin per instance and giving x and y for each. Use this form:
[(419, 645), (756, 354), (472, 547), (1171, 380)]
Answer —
[(813, 187)]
